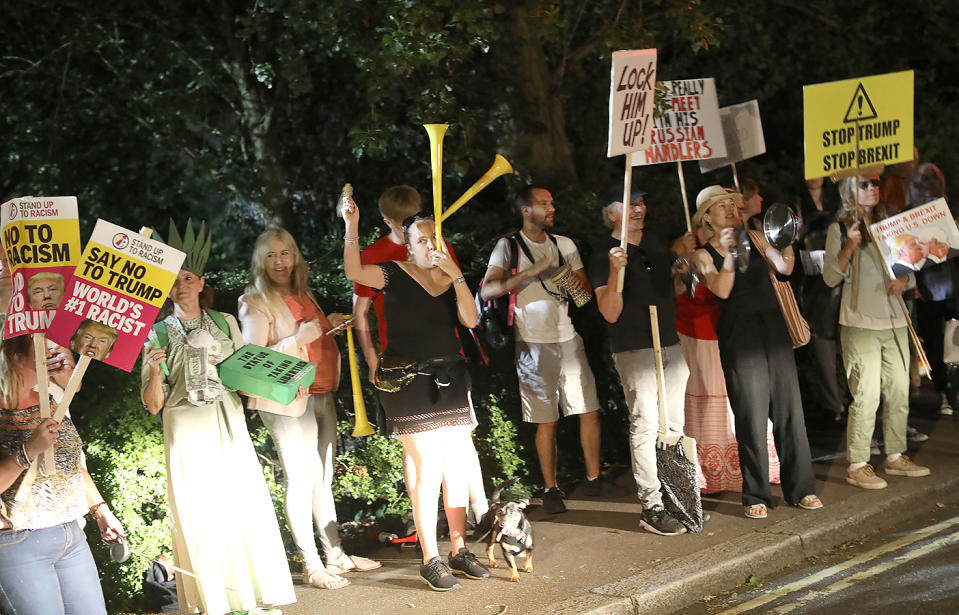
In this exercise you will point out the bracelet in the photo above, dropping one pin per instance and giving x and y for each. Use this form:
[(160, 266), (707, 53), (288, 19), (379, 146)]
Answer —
[(23, 454), (96, 507), (350, 239), (459, 280), (788, 257)]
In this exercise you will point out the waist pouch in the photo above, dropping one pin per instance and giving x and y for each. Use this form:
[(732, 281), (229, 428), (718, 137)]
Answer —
[(396, 373)]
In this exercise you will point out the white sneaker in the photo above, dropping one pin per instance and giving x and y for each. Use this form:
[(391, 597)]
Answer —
[(945, 408), (914, 435)]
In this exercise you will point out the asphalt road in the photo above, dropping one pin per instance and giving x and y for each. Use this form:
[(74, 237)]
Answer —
[(900, 570)]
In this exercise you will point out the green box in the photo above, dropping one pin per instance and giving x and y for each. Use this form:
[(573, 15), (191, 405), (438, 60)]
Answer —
[(266, 373)]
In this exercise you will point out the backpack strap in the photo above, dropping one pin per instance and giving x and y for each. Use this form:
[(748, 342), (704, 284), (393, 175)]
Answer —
[(513, 245), (220, 321), (529, 257)]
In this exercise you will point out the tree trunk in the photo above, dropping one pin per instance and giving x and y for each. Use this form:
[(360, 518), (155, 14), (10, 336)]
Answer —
[(543, 142)]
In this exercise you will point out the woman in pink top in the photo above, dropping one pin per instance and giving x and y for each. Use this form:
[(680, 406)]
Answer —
[(279, 311)]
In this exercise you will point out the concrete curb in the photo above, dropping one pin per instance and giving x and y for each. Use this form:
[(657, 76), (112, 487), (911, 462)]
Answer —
[(675, 584)]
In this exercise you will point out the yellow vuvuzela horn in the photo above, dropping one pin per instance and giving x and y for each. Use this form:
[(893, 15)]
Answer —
[(361, 424), (436, 133), (501, 166)]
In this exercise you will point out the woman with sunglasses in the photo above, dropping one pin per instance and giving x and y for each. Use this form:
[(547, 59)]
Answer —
[(757, 357), (873, 334), (424, 299)]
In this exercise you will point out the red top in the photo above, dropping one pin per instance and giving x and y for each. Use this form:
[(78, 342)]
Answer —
[(697, 316), (322, 351), (384, 250)]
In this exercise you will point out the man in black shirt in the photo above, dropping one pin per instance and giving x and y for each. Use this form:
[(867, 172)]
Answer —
[(648, 281)]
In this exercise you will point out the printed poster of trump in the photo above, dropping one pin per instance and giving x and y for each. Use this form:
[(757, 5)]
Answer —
[(917, 238), (41, 245), (115, 295)]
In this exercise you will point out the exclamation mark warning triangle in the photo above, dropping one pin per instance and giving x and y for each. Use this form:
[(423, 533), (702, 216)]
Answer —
[(860, 108)]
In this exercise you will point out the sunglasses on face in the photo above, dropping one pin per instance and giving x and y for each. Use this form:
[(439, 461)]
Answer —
[(864, 185)]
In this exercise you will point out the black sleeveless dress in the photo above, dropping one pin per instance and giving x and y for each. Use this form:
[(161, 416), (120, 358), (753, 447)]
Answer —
[(420, 326), (762, 383)]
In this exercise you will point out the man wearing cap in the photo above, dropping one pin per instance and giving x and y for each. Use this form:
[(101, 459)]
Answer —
[(648, 281), (550, 357)]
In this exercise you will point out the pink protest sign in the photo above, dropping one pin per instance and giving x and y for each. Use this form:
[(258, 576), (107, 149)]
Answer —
[(41, 242), (115, 295)]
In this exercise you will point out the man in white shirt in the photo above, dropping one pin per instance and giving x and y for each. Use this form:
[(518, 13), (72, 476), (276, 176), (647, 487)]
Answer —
[(550, 359)]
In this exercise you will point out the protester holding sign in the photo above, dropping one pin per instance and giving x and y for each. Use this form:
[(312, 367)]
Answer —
[(278, 311), (45, 562), (212, 469), (425, 393), (874, 339), (938, 283), (757, 356)]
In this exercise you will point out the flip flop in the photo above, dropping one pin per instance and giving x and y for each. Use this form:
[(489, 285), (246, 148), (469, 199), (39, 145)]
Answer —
[(324, 579), (755, 511), (810, 502), (356, 564)]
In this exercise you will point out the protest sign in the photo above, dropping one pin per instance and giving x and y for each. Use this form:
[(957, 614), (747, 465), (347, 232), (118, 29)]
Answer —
[(266, 373), (41, 240), (917, 238), (631, 93), (116, 291), (858, 123), (742, 134), (689, 128)]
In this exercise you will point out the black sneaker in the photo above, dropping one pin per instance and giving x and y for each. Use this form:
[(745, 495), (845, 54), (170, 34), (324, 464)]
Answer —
[(466, 564), (553, 501), (438, 575), (602, 488), (658, 521)]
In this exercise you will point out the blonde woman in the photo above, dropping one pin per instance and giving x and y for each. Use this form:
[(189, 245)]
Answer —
[(278, 311), (873, 334), (45, 562)]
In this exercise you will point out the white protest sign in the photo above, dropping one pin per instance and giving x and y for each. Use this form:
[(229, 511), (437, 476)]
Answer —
[(631, 93), (689, 129), (917, 238), (743, 134)]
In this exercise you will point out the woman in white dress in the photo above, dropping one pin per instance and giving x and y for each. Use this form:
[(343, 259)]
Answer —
[(224, 526)]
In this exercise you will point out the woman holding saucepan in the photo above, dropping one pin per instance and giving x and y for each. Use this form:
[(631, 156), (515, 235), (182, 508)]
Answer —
[(757, 356)]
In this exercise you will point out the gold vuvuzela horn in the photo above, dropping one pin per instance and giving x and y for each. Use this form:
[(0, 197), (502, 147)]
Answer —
[(361, 424), (436, 133), (501, 166)]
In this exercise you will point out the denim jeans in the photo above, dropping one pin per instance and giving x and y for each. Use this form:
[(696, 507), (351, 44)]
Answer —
[(48, 572)]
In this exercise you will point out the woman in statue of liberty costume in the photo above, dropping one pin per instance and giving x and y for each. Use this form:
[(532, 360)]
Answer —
[(224, 526)]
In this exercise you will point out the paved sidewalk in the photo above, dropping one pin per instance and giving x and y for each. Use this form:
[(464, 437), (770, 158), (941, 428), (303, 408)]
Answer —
[(595, 559)]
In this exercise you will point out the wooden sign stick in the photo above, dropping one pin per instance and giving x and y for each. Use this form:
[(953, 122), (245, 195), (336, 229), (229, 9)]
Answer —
[(682, 184), (736, 178), (43, 391), (624, 222)]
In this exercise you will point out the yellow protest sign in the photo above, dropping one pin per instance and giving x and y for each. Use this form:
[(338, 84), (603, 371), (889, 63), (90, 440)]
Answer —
[(858, 123)]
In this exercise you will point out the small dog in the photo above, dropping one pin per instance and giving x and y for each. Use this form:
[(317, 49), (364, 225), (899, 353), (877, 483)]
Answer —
[(511, 530)]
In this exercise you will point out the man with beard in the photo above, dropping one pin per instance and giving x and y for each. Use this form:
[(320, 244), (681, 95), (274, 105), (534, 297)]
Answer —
[(550, 358), (648, 281)]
